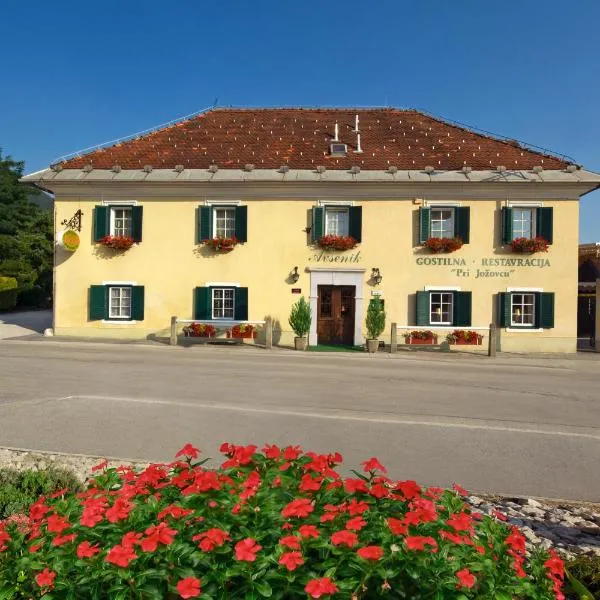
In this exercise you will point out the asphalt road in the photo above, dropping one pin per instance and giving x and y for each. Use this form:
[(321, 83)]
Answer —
[(518, 426)]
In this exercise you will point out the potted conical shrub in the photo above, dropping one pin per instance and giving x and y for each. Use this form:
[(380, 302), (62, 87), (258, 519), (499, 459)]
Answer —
[(300, 320), (375, 323)]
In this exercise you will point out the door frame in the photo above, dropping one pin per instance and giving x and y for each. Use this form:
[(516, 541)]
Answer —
[(321, 276)]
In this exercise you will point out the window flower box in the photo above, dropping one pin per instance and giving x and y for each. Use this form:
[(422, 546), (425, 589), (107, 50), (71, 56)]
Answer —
[(199, 330), (443, 245), (337, 242), (529, 246), (223, 245), (460, 337), (421, 338), (117, 242), (242, 331)]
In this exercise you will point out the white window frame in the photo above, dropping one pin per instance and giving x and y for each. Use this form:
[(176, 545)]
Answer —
[(338, 209), (445, 291), (215, 208), (522, 328), (452, 220), (118, 283), (533, 220), (115, 207), (522, 325), (212, 303)]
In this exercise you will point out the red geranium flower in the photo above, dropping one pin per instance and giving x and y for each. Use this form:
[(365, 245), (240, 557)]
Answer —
[(59, 540), (188, 450), (373, 465), (291, 560), (290, 541), (355, 524), (409, 489), (86, 550), (57, 524), (45, 578), (188, 587), (174, 511), (397, 526), (417, 542), (247, 549), (121, 556), (298, 508), (357, 507), (308, 531), (465, 579), (157, 534), (370, 552), (320, 587), (461, 522), (344, 537)]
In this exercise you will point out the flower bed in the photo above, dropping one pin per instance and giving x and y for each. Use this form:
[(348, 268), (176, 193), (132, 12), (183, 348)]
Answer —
[(529, 246), (280, 523), (242, 331), (199, 330), (443, 245), (337, 242), (464, 338), (221, 244), (420, 337), (117, 242)]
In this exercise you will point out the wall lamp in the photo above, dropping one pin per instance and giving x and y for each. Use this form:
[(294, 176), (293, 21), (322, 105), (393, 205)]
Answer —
[(376, 276), (294, 275)]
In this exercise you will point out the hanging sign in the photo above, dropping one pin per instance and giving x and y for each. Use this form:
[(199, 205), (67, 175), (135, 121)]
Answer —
[(68, 239)]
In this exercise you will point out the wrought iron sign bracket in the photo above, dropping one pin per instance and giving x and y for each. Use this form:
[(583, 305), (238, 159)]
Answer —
[(74, 222)]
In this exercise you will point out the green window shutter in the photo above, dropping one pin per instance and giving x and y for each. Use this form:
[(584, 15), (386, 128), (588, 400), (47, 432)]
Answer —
[(98, 302), (424, 224), (507, 225), (241, 223), (544, 310), (462, 309), (355, 223), (205, 225), (202, 301), (241, 304), (101, 222), (136, 223), (544, 223), (423, 308), (137, 302), (318, 223), (462, 219), (504, 309)]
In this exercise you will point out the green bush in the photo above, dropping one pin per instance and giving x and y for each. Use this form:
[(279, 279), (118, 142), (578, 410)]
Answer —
[(35, 297), (375, 319), (19, 489), (300, 317), (8, 293), (8, 283), (586, 570)]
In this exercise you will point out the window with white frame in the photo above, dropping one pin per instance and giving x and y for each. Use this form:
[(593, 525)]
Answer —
[(337, 220), (522, 309), (440, 308), (223, 303), (121, 221), (523, 222), (442, 222), (224, 222), (119, 302)]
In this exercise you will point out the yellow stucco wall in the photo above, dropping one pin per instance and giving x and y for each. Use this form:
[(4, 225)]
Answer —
[(170, 265)]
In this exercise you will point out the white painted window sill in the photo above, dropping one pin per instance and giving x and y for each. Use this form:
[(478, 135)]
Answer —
[(117, 322), (523, 330)]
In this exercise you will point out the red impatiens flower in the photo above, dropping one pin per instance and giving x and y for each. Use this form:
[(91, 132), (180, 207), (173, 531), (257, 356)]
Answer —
[(121, 556), (188, 450), (272, 451), (119, 510), (308, 484), (57, 524), (357, 507), (188, 587), (355, 485), (408, 489), (555, 565), (247, 549), (291, 560), (308, 531), (290, 541), (370, 552), (466, 579), (397, 526), (100, 466), (211, 539), (292, 452), (86, 550), (373, 465), (459, 489), (157, 534), (177, 512), (59, 540), (461, 522), (131, 539), (45, 579), (418, 542), (346, 538), (320, 587), (302, 507), (4, 537), (355, 524)]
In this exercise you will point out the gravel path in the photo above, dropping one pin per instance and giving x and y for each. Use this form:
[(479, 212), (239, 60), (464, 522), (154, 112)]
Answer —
[(571, 528)]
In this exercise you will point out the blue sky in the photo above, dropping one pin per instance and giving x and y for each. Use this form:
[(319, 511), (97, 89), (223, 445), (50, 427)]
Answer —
[(77, 74)]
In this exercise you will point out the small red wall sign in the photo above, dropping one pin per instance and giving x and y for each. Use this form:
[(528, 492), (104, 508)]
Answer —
[(296, 291)]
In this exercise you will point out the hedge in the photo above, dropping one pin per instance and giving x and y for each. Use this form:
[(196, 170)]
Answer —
[(8, 293), (280, 523)]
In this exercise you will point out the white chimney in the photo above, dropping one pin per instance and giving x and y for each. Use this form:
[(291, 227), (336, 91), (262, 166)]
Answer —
[(356, 129), (358, 148), (336, 138)]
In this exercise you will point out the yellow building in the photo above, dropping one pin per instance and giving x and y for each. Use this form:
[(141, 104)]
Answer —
[(427, 214)]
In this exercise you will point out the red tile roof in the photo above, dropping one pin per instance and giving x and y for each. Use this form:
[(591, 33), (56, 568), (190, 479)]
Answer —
[(300, 138)]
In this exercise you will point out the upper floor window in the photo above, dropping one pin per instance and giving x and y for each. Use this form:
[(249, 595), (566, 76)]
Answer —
[(527, 222), (336, 221), (442, 222), (224, 222), (121, 221), (523, 223)]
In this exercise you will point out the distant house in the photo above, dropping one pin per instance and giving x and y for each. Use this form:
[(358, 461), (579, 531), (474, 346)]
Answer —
[(588, 273)]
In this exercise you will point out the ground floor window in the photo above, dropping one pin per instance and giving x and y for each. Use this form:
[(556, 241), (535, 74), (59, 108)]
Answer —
[(440, 304), (522, 310), (120, 301), (223, 303), (119, 306), (443, 308), (526, 309)]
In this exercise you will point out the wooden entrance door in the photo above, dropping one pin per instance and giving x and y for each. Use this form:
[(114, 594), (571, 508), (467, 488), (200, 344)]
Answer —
[(335, 314)]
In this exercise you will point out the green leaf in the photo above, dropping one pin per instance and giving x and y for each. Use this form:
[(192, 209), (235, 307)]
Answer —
[(264, 589), (503, 596), (578, 587), (8, 593)]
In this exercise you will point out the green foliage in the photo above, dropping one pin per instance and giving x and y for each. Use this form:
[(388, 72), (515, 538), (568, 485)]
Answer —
[(300, 317), (8, 293), (583, 574), (19, 489), (375, 318), (281, 523), (8, 283), (26, 235)]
